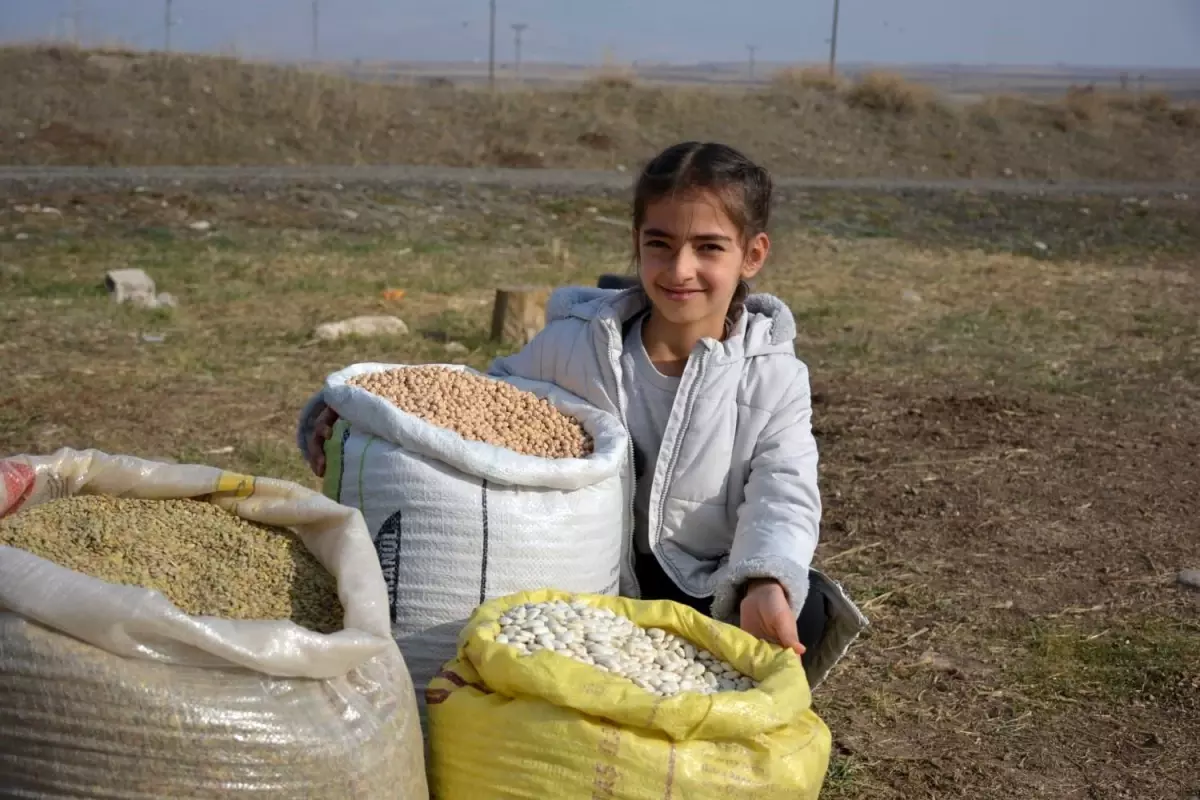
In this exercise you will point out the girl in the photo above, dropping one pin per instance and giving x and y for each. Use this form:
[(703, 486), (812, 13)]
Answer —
[(705, 378)]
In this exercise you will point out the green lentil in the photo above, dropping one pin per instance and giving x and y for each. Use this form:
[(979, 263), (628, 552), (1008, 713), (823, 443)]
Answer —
[(205, 560)]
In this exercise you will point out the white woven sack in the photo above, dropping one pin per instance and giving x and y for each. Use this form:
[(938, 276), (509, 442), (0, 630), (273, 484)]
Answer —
[(457, 522), (111, 691)]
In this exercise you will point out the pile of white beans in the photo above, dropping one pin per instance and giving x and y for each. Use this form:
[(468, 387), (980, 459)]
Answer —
[(657, 661)]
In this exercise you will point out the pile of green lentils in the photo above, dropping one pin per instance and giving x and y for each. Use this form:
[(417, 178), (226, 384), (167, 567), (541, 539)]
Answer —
[(205, 560)]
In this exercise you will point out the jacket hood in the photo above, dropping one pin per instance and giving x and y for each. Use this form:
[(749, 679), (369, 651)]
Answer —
[(766, 328)]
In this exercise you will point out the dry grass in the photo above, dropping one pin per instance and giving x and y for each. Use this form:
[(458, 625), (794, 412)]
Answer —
[(64, 106), (891, 93), (806, 79), (996, 421)]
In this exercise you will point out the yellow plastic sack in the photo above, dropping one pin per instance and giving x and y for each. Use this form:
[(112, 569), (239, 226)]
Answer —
[(547, 726)]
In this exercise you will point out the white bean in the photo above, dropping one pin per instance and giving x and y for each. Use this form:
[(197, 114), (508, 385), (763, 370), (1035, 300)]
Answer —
[(652, 659)]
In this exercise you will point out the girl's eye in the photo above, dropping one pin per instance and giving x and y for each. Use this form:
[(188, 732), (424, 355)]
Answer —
[(712, 247), (654, 243)]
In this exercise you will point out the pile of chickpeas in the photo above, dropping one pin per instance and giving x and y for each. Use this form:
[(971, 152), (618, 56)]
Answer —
[(481, 409)]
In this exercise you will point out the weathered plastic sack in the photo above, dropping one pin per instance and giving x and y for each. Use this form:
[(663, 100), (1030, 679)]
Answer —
[(458, 522), (110, 691), (509, 726)]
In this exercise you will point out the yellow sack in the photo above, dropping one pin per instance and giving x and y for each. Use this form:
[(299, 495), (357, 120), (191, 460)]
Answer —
[(546, 726)]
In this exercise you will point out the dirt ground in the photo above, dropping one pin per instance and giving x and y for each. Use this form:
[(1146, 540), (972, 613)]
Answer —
[(1007, 399), (61, 106)]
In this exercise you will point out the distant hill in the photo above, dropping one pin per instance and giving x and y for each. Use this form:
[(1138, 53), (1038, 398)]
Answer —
[(66, 106)]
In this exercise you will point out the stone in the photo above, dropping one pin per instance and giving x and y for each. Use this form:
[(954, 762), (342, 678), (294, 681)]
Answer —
[(130, 285), (1189, 579), (456, 348), (201, 226), (366, 326)]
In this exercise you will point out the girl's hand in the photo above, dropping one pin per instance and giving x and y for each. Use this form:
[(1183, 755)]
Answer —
[(322, 430), (767, 615)]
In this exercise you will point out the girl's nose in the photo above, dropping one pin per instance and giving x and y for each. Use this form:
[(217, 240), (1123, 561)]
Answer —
[(683, 266)]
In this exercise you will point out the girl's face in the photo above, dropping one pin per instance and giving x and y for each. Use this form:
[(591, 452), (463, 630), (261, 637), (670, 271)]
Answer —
[(691, 258)]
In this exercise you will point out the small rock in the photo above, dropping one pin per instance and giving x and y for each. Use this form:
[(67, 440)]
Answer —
[(1041, 246), (350, 214), (617, 223), (11, 270), (154, 338), (165, 300), (911, 297), (361, 326), (1190, 579), (456, 348), (126, 285), (1008, 173), (51, 210), (1181, 196), (201, 226), (21, 237)]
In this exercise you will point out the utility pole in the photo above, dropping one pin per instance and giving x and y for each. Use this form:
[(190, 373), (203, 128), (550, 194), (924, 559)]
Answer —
[(167, 23), (833, 38), (751, 49), (315, 28), (74, 21), (518, 29), (492, 44)]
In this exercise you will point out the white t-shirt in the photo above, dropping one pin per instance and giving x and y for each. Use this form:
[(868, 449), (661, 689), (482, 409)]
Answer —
[(651, 397)]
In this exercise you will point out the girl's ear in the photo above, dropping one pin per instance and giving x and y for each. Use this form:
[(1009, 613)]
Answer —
[(757, 250)]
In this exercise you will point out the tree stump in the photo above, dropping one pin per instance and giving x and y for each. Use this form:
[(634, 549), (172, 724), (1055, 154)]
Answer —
[(518, 314)]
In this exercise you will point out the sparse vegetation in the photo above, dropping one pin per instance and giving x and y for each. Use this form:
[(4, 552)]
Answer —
[(65, 106), (996, 421), (882, 91), (806, 79)]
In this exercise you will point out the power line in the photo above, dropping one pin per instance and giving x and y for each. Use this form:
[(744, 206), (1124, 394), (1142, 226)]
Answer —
[(751, 49), (518, 29)]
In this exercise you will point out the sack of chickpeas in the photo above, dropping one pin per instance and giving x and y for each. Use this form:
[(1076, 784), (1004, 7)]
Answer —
[(474, 488), (574, 697), (178, 631)]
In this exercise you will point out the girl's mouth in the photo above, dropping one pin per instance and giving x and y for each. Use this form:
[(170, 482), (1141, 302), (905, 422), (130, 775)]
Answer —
[(680, 294)]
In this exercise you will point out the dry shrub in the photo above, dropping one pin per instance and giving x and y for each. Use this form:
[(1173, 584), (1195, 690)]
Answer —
[(1156, 103), (805, 79), (1186, 117), (1086, 104), (890, 93), (612, 77)]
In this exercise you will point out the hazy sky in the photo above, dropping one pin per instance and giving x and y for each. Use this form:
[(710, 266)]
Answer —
[(1150, 33)]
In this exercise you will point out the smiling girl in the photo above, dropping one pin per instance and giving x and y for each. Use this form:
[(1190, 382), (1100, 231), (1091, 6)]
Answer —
[(705, 377)]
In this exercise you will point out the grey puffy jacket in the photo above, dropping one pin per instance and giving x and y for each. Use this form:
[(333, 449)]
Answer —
[(734, 494)]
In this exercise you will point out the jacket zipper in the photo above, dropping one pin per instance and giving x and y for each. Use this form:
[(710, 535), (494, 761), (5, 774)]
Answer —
[(669, 475), (623, 407)]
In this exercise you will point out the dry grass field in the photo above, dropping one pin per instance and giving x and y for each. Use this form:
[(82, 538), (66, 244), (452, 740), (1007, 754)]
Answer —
[(1007, 401), (65, 106)]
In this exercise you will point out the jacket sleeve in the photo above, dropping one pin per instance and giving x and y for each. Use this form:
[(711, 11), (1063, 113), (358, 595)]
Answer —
[(779, 522), (535, 361), (308, 419)]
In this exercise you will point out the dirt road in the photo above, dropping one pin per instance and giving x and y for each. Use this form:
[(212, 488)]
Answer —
[(25, 178)]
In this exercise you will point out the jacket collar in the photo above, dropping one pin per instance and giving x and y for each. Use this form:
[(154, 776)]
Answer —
[(767, 327)]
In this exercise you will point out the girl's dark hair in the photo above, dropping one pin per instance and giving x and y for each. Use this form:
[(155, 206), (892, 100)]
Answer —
[(743, 187)]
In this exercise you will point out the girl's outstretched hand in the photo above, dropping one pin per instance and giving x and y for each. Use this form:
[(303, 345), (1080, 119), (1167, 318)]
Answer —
[(767, 615), (322, 430)]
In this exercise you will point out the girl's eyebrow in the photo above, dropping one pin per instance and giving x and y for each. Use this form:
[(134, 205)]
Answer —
[(658, 233)]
